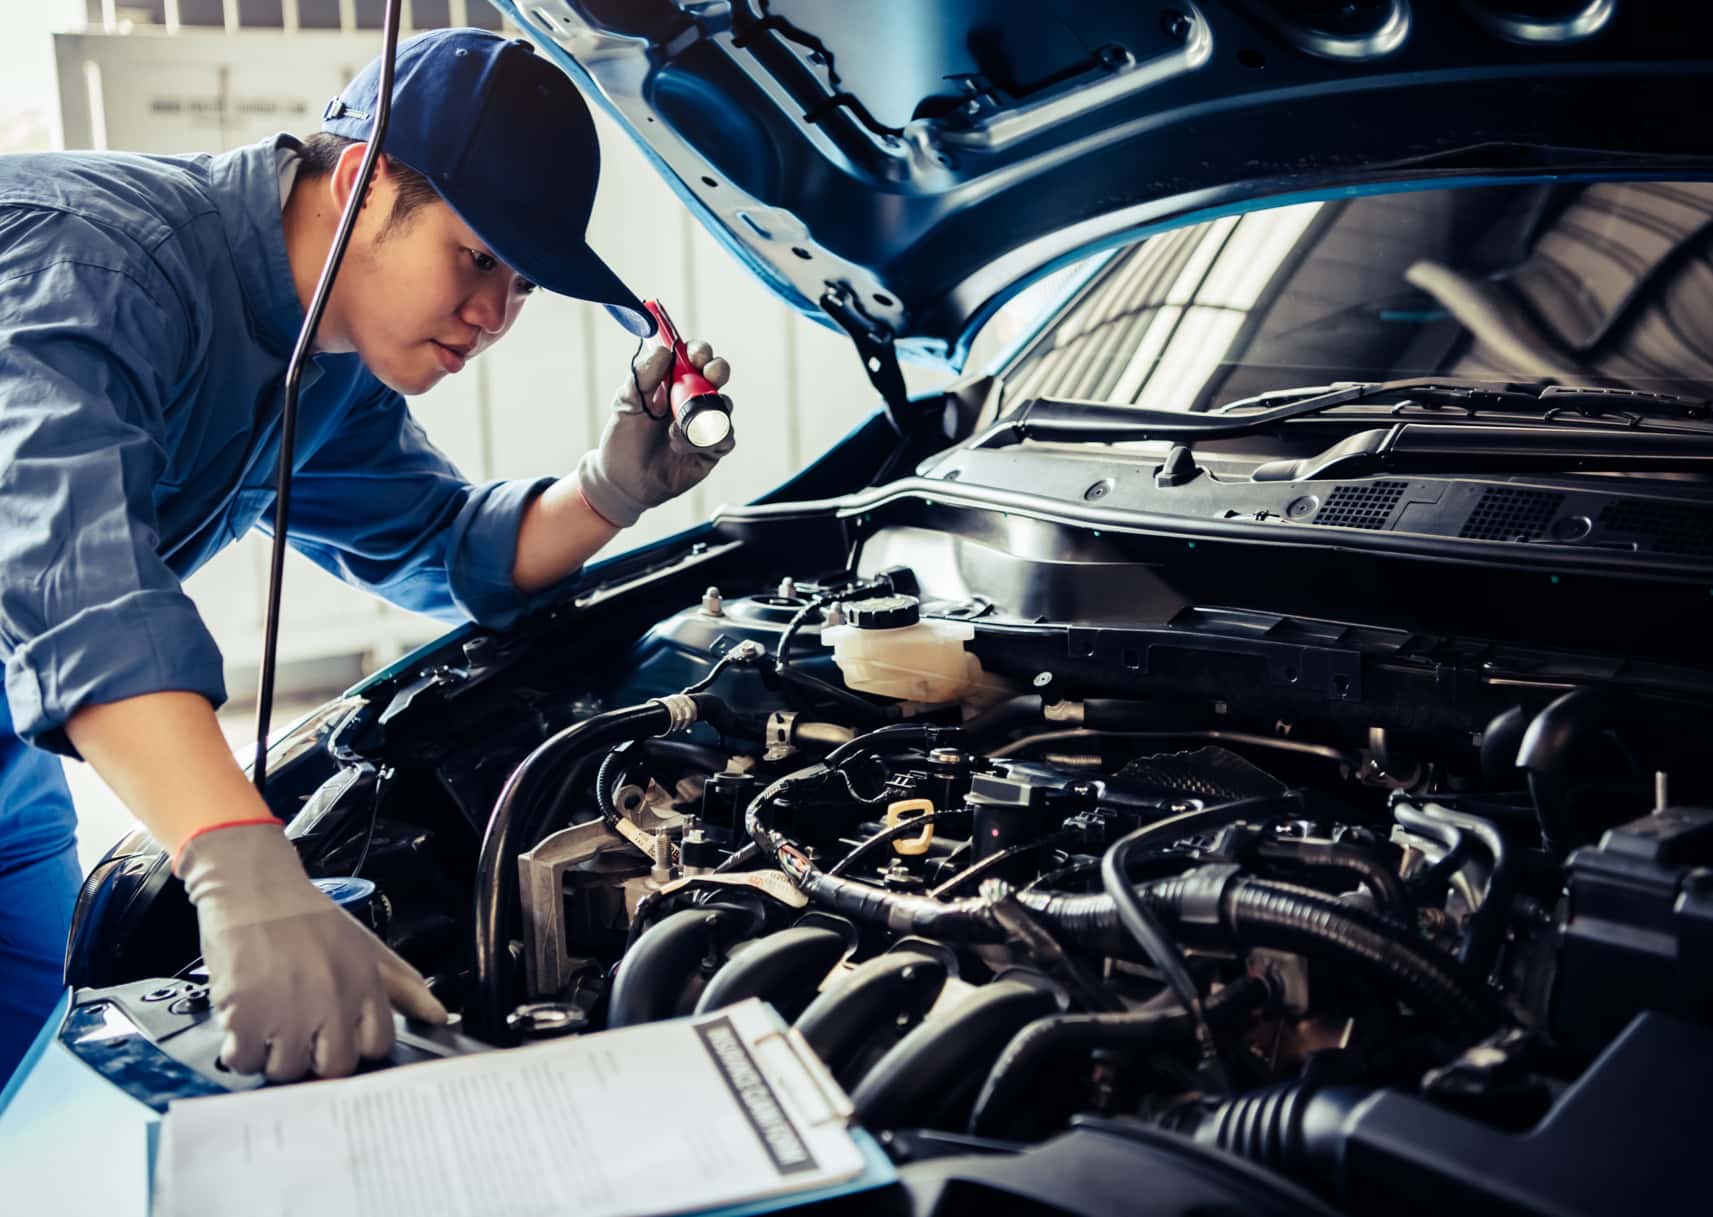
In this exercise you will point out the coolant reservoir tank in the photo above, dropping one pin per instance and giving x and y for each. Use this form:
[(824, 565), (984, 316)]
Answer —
[(886, 648)]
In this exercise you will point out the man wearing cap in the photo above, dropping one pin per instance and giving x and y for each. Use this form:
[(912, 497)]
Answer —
[(148, 307)]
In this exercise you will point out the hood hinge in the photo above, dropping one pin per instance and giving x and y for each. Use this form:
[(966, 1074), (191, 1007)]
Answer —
[(876, 350)]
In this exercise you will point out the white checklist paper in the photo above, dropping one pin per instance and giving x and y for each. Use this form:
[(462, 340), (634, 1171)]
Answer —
[(684, 1116)]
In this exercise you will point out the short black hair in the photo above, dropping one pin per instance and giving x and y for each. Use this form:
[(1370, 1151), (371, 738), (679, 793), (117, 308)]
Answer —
[(320, 156)]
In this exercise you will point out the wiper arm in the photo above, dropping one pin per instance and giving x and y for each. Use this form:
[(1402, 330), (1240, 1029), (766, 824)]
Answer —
[(1092, 422), (1102, 422), (1438, 448)]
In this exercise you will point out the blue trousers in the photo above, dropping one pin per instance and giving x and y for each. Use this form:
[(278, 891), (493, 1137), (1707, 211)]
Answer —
[(39, 877)]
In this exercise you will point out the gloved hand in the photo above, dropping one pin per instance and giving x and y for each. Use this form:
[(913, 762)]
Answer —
[(297, 982), (642, 460)]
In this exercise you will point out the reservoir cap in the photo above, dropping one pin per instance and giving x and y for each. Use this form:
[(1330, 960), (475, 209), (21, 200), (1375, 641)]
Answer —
[(883, 612)]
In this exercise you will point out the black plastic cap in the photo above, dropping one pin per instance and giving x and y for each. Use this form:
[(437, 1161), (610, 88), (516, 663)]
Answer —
[(882, 612)]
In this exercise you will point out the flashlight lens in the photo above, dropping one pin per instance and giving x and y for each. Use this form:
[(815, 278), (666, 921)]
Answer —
[(707, 427)]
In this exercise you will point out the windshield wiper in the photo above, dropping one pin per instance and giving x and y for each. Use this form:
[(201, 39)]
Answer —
[(1103, 422), (1440, 448)]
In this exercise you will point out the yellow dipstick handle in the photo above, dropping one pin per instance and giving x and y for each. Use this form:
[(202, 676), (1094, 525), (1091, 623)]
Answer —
[(904, 809)]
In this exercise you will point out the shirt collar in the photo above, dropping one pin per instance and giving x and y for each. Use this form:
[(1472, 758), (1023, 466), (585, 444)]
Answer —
[(247, 186)]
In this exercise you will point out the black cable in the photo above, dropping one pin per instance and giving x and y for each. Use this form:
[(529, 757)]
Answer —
[(1214, 817), (293, 382), (814, 684), (383, 785), (901, 829), (819, 604), (930, 736), (851, 703), (782, 650), (867, 800), (1161, 949), (1071, 870), (743, 857), (988, 865), (735, 656)]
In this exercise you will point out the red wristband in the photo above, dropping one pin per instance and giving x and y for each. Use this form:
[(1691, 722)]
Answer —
[(207, 828)]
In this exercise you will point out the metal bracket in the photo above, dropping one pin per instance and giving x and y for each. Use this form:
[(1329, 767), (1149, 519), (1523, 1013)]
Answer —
[(876, 350), (548, 962)]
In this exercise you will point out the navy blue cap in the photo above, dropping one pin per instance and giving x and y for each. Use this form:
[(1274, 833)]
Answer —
[(506, 139)]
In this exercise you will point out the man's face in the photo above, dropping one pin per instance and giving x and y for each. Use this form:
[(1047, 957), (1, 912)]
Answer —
[(419, 296)]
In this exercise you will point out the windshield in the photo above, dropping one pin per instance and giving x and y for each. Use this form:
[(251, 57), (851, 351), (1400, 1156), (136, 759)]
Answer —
[(1608, 283)]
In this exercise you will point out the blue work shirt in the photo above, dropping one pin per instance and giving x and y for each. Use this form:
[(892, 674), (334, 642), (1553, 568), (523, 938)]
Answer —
[(147, 312)]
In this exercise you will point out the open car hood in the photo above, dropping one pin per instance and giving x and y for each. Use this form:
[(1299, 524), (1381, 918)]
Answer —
[(906, 166)]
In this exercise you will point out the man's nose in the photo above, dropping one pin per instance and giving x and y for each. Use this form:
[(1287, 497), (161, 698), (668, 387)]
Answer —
[(486, 309)]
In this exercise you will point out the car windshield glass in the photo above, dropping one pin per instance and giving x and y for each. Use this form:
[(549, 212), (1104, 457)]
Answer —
[(1606, 283)]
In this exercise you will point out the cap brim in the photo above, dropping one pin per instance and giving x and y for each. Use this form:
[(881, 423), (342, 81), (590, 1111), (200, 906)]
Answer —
[(567, 269)]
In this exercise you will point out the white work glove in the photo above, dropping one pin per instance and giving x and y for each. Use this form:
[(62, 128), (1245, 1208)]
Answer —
[(297, 982), (642, 460)]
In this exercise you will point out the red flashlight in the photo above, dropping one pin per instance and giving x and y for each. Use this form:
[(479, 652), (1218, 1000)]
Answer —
[(702, 414)]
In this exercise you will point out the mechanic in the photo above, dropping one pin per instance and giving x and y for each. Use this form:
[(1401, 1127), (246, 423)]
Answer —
[(148, 308)]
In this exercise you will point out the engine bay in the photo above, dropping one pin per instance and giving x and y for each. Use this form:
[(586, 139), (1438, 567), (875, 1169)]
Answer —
[(1035, 889)]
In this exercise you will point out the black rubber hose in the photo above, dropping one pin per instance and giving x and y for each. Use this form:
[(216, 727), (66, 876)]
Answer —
[(657, 969), (517, 815), (1016, 1075), (1269, 915), (1295, 1129), (1162, 950), (1387, 889), (1486, 929), (1457, 850), (1000, 721)]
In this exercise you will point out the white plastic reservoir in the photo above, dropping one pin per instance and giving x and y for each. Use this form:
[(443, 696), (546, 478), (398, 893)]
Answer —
[(886, 648)]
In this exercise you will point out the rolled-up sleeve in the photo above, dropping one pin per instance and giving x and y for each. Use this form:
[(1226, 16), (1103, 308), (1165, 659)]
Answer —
[(89, 612), (380, 506)]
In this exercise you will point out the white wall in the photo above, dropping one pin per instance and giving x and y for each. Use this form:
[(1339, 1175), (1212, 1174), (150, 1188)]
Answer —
[(528, 407)]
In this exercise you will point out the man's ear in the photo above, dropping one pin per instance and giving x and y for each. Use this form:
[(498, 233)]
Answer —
[(343, 180)]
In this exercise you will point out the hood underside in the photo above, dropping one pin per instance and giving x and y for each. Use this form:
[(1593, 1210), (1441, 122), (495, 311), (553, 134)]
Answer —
[(906, 166)]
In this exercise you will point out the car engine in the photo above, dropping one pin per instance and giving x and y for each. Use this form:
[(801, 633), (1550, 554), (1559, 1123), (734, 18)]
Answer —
[(1029, 908)]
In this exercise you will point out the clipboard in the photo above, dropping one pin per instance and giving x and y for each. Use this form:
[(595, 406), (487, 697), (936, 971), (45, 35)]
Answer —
[(717, 1115)]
